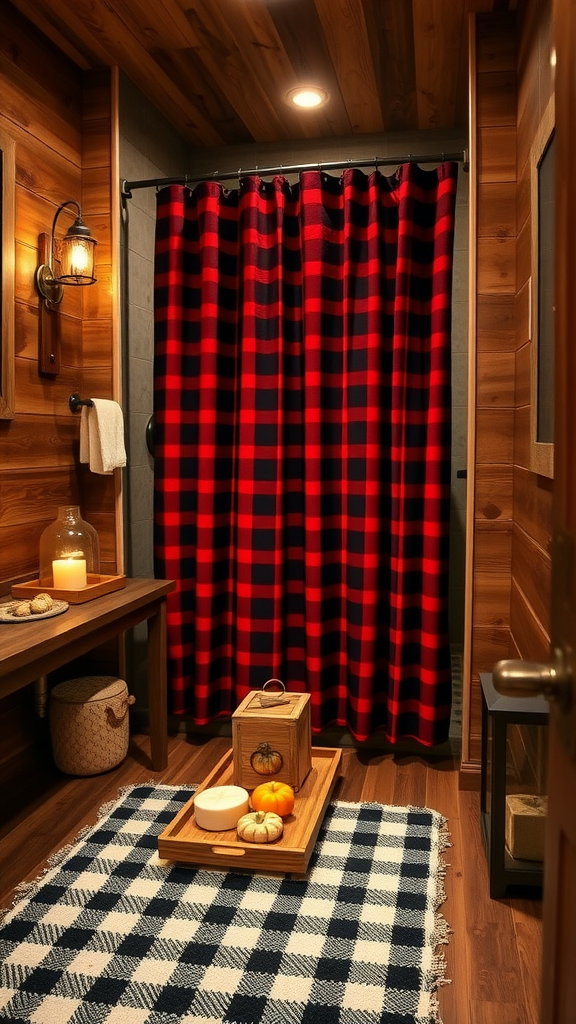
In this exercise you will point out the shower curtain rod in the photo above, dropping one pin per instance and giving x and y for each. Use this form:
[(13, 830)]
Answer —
[(331, 165)]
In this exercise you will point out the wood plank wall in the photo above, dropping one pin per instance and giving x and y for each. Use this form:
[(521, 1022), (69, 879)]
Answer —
[(494, 138), (100, 355), (60, 119), (531, 541), (41, 109), (512, 506)]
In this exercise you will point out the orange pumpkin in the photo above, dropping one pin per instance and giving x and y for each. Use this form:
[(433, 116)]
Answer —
[(273, 796)]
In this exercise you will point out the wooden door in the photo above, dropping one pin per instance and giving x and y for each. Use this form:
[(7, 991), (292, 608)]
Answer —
[(559, 928)]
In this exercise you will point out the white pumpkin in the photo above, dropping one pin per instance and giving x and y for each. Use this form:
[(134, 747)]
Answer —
[(260, 827)]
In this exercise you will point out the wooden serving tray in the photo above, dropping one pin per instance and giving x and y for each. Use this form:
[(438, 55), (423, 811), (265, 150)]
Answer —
[(96, 586), (182, 840)]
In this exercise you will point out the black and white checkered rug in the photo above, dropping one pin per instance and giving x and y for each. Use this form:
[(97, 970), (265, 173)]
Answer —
[(114, 935)]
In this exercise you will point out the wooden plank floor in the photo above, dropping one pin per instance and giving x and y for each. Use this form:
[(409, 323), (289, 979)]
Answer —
[(493, 957)]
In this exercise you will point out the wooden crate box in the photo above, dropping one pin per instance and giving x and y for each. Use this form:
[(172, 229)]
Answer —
[(525, 826), (285, 728)]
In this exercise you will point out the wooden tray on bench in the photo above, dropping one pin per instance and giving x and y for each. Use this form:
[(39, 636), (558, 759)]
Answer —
[(96, 586), (182, 840)]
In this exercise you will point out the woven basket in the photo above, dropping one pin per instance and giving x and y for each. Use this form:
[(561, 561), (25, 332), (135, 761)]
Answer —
[(89, 724)]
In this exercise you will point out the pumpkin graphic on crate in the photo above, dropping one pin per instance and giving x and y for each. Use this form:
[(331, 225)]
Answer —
[(265, 760)]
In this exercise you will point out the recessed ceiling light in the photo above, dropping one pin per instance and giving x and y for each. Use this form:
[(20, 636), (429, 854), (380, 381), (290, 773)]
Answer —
[(307, 97)]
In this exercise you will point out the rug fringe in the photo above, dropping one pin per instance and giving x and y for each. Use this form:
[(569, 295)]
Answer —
[(25, 890), (436, 976)]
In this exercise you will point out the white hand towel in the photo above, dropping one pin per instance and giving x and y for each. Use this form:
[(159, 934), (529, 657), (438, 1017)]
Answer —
[(102, 436)]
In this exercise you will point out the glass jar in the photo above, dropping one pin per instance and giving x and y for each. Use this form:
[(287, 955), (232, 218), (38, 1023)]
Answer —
[(69, 551)]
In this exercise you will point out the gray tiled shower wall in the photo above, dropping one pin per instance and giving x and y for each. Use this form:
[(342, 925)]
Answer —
[(151, 148)]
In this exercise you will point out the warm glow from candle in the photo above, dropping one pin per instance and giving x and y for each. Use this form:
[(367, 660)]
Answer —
[(69, 573)]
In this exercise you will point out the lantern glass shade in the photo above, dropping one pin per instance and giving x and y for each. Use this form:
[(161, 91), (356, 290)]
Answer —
[(70, 260), (76, 260), (69, 551)]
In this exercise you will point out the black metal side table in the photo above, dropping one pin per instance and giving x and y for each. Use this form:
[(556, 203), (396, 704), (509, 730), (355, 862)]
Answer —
[(498, 715)]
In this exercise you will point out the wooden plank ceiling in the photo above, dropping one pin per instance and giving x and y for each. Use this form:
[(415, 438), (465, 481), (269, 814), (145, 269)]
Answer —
[(219, 69)]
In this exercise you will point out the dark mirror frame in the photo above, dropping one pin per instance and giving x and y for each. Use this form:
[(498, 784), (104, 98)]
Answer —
[(542, 298), (7, 222)]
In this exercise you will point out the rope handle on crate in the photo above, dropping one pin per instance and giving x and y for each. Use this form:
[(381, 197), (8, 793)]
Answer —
[(270, 700), (113, 719)]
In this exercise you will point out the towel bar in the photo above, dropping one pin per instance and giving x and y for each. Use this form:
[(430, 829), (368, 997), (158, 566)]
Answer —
[(75, 402)]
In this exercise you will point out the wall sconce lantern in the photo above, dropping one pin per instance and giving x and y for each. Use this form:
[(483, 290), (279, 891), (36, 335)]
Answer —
[(69, 261)]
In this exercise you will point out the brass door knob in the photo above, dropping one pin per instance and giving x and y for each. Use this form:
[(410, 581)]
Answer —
[(530, 678)]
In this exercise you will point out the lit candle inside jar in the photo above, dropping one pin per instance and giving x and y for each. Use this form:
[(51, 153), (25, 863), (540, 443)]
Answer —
[(69, 573), (218, 809)]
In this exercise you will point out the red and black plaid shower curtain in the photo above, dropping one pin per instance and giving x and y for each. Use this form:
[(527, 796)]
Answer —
[(302, 472)]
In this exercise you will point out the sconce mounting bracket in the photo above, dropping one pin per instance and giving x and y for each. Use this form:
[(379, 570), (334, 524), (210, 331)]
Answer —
[(50, 289), (49, 315)]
